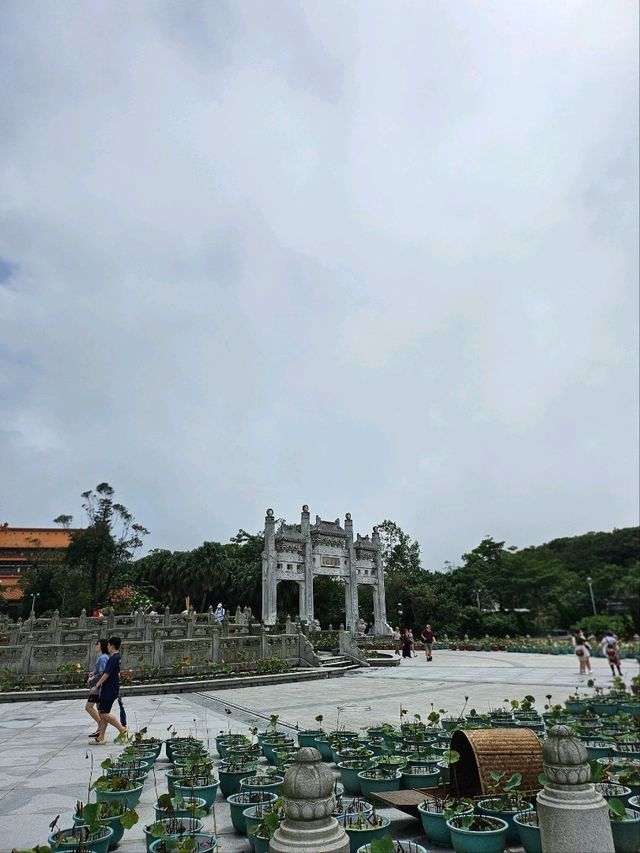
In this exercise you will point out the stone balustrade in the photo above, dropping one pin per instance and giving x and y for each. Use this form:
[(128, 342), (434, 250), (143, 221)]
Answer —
[(42, 646)]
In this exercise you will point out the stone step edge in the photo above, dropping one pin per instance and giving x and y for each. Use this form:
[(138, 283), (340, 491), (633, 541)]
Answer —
[(184, 686)]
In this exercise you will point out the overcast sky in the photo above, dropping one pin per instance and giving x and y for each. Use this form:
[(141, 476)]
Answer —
[(377, 257)]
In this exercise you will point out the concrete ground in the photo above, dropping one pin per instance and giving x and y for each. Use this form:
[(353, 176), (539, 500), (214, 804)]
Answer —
[(45, 761)]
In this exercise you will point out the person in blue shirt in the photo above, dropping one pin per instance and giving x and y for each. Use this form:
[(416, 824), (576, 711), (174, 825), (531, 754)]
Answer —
[(108, 686), (102, 657)]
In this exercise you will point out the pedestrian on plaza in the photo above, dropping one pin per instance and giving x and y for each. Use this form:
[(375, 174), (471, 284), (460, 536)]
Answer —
[(407, 643), (583, 651), (102, 656), (397, 638), (219, 613), (428, 638), (108, 687), (611, 651)]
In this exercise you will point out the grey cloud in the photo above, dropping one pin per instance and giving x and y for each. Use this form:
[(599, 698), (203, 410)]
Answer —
[(374, 258)]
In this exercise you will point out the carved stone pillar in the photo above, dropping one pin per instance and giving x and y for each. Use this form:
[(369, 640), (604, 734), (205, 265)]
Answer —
[(269, 571), (571, 813), (308, 801)]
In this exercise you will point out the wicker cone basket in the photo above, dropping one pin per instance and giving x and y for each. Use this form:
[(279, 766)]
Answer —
[(504, 750)]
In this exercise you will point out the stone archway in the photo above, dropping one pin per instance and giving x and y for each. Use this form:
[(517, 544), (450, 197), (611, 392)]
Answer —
[(301, 552)]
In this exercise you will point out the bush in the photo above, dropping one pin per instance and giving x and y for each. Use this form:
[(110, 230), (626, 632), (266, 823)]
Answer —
[(598, 626), (500, 624)]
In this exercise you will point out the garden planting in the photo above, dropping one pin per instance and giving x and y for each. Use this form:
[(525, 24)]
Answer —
[(244, 772)]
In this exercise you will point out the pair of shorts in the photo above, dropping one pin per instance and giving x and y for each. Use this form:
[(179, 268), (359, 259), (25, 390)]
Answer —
[(105, 703), (93, 697)]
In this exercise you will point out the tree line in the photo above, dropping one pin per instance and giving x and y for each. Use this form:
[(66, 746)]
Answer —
[(496, 589)]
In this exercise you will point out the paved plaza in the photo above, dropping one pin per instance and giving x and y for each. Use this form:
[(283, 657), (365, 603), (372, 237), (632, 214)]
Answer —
[(45, 760)]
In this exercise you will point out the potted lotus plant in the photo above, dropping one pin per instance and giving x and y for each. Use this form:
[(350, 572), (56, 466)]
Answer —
[(387, 845), (94, 837), (362, 827), (478, 833), (436, 811), (625, 826), (114, 814), (176, 826), (505, 801)]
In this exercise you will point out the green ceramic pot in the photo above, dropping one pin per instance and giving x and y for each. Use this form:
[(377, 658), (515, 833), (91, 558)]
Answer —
[(626, 833), (189, 804), (307, 737), (206, 844), (358, 837), (98, 842), (113, 822), (255, 782), (258, 844), (175, 827), (178, 743), (490, 840), (349, 775), (489, 808), (420, 777), (240, 802), (406, 847), (131, 797), (435, 825), (529, 832), (207, 793), (322, 745), (230, 779), (371, 782)]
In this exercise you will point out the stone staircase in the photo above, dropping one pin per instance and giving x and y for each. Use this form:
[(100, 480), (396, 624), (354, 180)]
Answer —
[(337, 662)]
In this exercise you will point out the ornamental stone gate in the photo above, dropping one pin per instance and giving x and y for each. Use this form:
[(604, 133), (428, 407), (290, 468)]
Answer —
[(300, 552)]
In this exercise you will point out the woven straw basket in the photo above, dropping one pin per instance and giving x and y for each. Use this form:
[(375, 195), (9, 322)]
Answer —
[(504, 750)]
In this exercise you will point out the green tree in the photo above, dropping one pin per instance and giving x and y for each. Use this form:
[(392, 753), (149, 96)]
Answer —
[(102, 553)]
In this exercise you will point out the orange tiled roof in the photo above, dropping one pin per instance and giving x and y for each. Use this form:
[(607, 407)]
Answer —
[(34, 537), (10, 589)]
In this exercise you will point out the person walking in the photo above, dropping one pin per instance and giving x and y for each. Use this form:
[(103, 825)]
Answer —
[(108, 687), (583, 651), (407, 643), (611, 651), (428, 638), (397, 638), (102, 657)]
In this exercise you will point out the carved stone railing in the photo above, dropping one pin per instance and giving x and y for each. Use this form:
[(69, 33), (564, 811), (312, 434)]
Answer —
[(209, 645)]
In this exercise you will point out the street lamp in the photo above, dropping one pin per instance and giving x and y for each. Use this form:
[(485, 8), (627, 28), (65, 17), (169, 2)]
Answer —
[(477, 592), (593, 602), (34, 595), (399, 613)]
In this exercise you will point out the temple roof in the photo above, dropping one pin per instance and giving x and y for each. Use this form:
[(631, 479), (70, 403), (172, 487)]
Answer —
[(329, 528), (290, 533), (365, 543)]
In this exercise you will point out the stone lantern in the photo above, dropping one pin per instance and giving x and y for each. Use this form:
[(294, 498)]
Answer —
[(308, 801), (572, 814)]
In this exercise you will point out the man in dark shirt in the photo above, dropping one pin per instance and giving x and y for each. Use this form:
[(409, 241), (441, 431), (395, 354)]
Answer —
[(108, 687)]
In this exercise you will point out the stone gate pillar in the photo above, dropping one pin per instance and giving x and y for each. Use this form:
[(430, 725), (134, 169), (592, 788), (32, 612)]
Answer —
[(380, 624), (307, 611), (269, 570), (351, 593)]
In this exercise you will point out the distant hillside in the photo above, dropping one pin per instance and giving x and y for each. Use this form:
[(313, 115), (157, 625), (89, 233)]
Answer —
[(586, 553)]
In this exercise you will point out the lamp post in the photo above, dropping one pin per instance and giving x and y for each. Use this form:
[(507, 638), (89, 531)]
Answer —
[(593, 602), (399, 614), (34, 595), (477, 591)]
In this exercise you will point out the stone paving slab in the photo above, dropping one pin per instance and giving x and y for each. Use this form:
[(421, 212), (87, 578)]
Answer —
[(45, 759)]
